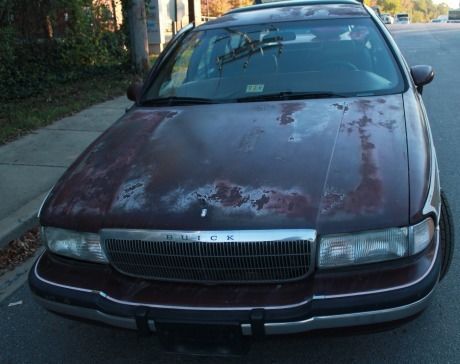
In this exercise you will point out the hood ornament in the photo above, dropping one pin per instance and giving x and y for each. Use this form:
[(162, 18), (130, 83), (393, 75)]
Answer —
[(204, 212)]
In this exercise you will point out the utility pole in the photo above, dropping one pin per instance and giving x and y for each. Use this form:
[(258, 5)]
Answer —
[(138, 36), (174, 23)]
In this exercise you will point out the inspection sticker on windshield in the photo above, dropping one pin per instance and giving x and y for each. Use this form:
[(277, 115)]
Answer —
[(254, 88)]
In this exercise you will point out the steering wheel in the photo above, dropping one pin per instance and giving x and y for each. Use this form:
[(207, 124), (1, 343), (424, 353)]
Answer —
[(341, 65)]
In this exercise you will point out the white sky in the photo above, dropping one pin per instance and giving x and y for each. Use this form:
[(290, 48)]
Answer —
[(454, 4)]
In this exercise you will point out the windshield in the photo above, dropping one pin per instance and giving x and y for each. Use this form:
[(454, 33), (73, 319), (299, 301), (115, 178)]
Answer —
[(324, 57)]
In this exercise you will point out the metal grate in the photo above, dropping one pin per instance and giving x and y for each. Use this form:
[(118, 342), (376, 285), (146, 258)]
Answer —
[(197, 261)]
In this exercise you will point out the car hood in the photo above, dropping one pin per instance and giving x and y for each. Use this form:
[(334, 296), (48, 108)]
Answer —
[(327, 164)]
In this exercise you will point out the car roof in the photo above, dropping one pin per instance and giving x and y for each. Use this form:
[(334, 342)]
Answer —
[(290, 3), (289, 11)]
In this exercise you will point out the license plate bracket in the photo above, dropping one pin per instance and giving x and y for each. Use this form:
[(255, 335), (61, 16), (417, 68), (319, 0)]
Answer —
[(202, 339)]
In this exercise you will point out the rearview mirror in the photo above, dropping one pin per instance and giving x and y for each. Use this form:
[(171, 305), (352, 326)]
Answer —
[(422, 75), (134, 91)]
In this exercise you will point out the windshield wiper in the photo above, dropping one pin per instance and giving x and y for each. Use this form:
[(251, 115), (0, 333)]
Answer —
[(177, 100), (290, 95), (247, 50)]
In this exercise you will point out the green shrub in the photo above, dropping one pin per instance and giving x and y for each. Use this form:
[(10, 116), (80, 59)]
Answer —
[(32, 62)]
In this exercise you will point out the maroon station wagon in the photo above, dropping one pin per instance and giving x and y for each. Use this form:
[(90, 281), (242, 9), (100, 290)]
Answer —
[(275, 175)]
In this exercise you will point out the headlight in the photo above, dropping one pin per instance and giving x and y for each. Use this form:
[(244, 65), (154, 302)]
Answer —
[(73, 244), (374, 246)]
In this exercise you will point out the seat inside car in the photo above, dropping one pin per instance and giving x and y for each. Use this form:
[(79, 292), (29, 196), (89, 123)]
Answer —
[(346, 52)]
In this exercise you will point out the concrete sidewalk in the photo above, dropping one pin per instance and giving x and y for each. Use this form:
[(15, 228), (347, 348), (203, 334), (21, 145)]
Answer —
[(30, 166)]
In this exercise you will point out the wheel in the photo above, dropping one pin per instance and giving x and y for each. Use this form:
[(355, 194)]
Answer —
[(447, 237)]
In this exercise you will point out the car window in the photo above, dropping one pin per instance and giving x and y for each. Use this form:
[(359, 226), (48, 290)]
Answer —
[(346, 56)]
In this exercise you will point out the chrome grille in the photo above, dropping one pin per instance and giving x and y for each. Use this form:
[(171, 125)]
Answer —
[(210, 261)]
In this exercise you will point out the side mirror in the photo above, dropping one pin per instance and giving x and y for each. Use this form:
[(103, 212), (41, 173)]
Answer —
[(134, 91), (422, 75)]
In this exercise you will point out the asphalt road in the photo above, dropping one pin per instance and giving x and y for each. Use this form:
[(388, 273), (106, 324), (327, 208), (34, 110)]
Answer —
[(29, 334)]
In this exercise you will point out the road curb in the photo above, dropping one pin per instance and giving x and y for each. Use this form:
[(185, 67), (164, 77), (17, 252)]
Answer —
[(15, 278), (27, 154), (17, 223)]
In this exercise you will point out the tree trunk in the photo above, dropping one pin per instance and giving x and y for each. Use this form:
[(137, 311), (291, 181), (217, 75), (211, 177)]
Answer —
[(48, 27), (114, 11)]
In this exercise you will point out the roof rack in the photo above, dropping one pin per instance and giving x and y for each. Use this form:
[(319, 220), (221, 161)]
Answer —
[(259, 4)]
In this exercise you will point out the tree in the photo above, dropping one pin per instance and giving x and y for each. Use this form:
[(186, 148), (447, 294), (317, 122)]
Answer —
[(219, 7), (419, 10), (240, 3), (389, 6)]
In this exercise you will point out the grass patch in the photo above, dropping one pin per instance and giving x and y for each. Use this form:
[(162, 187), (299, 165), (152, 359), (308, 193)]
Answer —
[(19, 117)]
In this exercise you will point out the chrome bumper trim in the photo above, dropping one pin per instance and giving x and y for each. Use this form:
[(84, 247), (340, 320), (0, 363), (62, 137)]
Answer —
[(87, 313), (344, 320), (91, 314), (271, 328)]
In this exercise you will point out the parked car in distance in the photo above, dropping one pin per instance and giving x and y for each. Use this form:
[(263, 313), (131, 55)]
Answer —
[(387, 18), (275, 175), (440, 19), (402, 18), (453, 16)]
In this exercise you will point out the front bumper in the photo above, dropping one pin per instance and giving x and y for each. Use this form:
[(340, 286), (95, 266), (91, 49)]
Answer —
[(322, 308)]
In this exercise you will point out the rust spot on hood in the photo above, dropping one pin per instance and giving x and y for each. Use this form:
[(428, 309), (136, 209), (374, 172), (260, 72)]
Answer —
[(368, 195), (288, 110), (261, 202), (364, 105), (228, 195), (103, 171), (128, 191), (390, 125), (291, 204), (338, 106), (234, 198)]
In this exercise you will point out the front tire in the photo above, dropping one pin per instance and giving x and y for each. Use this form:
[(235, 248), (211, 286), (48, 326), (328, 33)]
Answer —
[(447, 237)]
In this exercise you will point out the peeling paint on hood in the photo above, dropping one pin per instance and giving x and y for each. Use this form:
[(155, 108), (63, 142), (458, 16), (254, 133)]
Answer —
[(328, 164)]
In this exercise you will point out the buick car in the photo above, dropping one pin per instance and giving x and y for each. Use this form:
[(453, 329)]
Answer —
[(276, 174)]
